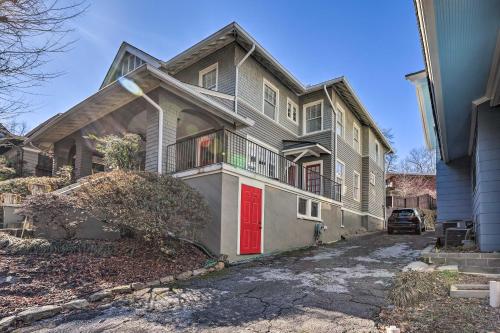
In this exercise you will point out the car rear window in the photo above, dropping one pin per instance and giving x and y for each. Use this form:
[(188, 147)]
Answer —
[(403, 213)]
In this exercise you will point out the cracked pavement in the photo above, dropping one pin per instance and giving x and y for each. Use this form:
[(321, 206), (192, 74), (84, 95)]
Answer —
[(332, 288)]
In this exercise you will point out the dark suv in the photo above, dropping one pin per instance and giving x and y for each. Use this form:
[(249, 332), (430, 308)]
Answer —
[(406, 219)]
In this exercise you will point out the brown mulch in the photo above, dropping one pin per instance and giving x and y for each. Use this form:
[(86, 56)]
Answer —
[(441, 313), (55, 278)]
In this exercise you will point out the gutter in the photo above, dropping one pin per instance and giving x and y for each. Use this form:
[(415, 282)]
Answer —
[(237, 75), (334, 128)]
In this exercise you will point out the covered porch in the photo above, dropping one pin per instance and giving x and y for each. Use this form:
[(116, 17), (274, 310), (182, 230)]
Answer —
[(117, 109)]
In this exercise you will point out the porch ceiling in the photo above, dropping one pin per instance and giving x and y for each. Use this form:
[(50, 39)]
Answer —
[(114, 96)]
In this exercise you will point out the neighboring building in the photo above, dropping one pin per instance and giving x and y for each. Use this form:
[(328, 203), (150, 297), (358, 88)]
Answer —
[(237, 126), (459, 99), (406, 184), (27, 160)]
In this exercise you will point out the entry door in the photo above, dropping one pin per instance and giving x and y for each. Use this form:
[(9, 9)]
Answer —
[(313, 178), (250, 220)]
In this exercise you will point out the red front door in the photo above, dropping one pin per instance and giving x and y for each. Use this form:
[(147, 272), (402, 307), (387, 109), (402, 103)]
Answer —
[(250, 219)]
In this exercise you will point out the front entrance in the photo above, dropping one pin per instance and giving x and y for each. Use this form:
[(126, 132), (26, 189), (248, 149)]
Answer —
[(250, 220)]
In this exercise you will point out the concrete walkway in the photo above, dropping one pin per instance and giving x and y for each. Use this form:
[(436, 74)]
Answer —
[(337, 288)]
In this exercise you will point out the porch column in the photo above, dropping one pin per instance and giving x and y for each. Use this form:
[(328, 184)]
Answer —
[(83, 158), (170, 114)]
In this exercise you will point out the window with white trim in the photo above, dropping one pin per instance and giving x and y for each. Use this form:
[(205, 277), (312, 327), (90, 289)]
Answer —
[(313, 117), (308, 209), (340, 128), (270, 103), (356, 138), (340, 175), (372, 178), (292, 110), (356, 189), (208, 77)]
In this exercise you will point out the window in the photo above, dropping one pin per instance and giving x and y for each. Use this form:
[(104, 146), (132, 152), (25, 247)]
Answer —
[(356, 186), (312, 176), (377, 152), (313, 117), (372, 178), (302, 206), (270, 103), (356, 138), (340, 175), (291, 110), (262, 158), (340, 121), (208, 77), (308, 209)]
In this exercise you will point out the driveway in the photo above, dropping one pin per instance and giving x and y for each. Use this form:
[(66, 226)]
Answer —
[(336, 288)]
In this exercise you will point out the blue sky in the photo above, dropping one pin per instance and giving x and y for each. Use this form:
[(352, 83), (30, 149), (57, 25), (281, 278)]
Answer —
[(373, 43)]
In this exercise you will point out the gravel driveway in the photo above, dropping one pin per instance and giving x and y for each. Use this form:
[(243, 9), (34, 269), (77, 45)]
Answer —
[(336, 288)]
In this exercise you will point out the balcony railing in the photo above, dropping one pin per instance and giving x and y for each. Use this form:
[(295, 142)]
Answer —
[(224, 146)]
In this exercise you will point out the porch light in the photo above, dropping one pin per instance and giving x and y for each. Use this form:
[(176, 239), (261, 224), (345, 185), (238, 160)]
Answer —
[(134, 89)]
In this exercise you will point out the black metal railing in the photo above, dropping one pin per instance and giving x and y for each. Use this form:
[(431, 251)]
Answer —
[(224, 146)]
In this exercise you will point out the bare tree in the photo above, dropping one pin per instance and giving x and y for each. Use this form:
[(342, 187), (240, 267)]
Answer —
[(391, 160), (420, 160), (407, 183), (17, 127), (30, 30)]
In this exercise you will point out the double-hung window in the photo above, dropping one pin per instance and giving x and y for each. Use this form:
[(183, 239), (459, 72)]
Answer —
[(313, 117), (271, 97), (356, 188), (340, 128), (292, 110), (340, 175), (208, 77), (356, 138)]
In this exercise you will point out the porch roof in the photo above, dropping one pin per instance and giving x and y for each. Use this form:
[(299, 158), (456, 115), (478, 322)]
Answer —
[(304, 148), (114, 96)]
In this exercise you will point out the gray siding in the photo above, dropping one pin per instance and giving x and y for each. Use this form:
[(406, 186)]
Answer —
[(487, 192), (226, 69), (251, 80), (453, 186)]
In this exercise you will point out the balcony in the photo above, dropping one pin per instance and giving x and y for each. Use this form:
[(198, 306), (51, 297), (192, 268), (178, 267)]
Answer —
[(224, 146)]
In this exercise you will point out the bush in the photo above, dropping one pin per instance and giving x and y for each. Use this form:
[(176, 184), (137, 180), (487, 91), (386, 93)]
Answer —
[(22, 186), (145, 205), (6, 172), (119, 152)]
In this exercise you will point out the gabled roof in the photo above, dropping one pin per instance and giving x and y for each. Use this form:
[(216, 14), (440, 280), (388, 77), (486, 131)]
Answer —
[(124, 49), (234, 32)]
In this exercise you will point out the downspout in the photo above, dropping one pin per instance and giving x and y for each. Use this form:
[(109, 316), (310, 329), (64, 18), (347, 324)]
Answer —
[(334, 127), (237, 75)]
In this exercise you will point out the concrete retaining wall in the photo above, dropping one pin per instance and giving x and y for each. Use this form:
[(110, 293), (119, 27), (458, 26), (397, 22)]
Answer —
[(467, 262)]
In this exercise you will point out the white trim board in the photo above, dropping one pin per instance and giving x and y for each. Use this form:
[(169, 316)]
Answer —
[(362, 213), (229, 169)]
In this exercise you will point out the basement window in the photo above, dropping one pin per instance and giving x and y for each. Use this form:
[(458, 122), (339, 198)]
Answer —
[(308, 209)]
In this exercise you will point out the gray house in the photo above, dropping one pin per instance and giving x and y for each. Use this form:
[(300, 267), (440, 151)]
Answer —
[(459, 99), (280, 163)]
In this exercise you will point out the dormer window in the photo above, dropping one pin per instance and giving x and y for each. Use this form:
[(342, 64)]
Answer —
[(208, 77)]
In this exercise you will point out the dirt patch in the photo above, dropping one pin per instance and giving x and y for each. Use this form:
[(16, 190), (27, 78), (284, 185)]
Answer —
[(31, 279), (430, 309)]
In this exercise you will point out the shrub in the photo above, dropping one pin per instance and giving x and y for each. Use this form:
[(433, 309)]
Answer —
[(119, 152), (146, 205), (22, 186), (54, 214), (6, 172)]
